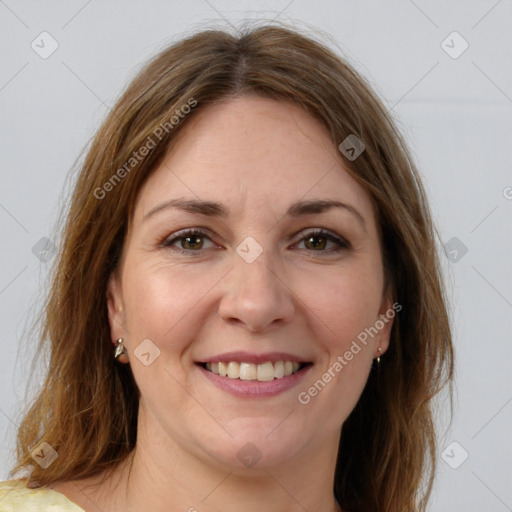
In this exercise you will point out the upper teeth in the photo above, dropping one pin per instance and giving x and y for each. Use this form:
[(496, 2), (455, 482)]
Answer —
[(250, 371)]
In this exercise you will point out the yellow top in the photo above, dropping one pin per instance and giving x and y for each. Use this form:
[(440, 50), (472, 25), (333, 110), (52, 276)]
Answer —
[(16, 497)]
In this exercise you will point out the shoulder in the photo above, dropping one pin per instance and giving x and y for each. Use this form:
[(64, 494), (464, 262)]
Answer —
[(15, 496)]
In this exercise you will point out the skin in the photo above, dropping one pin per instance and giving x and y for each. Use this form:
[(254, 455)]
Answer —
[(256, 156)]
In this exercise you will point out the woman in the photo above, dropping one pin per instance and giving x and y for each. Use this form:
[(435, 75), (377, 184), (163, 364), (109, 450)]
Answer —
[(248, 309)]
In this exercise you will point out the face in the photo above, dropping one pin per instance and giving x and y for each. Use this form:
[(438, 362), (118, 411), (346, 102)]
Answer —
[(253, 247)]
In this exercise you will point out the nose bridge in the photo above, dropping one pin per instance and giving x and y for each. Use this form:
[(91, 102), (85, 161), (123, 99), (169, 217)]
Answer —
[(255, 293)]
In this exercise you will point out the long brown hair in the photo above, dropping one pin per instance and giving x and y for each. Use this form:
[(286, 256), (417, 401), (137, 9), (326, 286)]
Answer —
[(87, 408)]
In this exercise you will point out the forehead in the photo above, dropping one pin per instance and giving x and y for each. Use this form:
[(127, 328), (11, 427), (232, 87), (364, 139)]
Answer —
[(252, 152)]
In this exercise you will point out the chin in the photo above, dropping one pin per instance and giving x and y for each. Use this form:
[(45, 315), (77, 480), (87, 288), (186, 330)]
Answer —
[(260, 444)]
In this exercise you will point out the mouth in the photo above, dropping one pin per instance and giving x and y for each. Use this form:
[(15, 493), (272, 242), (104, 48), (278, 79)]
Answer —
[(261, 372), (249, 375)]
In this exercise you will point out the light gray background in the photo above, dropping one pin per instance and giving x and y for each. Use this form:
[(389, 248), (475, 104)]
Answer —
[(456, 114)]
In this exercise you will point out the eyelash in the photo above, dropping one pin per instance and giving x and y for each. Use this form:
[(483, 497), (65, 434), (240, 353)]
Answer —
[(317, 232)]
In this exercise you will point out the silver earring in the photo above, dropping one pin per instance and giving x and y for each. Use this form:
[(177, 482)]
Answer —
[(120, 353)]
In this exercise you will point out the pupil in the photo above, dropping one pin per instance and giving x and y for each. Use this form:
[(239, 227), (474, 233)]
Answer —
[(317, 245), (190, 241)]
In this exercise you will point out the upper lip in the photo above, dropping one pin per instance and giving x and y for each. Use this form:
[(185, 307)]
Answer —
[(249, 357)]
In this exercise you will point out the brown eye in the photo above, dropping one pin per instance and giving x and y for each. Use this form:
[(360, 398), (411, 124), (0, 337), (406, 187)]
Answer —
[(188, 241), (323, 241), (316, 242), (191, 242)]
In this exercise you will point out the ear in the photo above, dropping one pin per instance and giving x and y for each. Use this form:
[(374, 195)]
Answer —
[(115, 308), (384, 323)]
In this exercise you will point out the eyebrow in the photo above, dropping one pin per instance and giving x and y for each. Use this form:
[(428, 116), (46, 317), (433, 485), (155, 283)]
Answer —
[(213, 209)]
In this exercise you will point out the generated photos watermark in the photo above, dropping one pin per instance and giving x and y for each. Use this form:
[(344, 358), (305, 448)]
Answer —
[(150, 143), (304, 397)]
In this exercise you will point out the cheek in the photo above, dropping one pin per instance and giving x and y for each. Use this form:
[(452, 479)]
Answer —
[(341, 307), (333, 390), (343, 303), (164, 302)]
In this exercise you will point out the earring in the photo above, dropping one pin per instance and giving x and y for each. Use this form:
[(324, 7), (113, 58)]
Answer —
[(120, 353), (378, 357)]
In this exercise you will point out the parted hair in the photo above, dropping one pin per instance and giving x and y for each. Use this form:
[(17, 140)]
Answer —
[(87, 406)]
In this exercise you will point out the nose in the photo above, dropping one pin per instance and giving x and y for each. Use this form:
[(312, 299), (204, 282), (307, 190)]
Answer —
[(256, 295)]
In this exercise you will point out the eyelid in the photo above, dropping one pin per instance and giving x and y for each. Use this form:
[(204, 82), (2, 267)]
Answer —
[(341, 242), (182, 233)]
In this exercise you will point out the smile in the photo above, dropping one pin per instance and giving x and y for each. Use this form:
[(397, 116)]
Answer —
[(262, 372)]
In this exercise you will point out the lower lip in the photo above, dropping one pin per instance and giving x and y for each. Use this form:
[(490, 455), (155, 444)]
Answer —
[(255, 388)]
